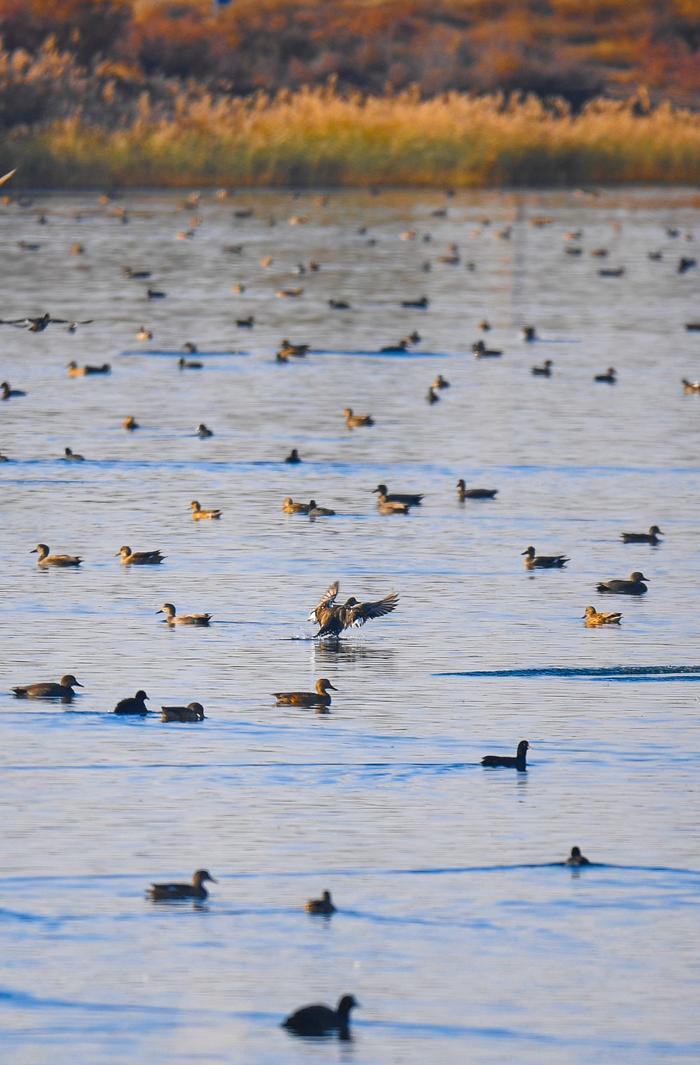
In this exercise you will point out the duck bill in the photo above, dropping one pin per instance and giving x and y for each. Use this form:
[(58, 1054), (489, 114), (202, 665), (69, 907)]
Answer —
[(77, 684), (332, 687), (159, 611)]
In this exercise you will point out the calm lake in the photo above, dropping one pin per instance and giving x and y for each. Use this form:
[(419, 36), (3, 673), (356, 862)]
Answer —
[(456, 930)]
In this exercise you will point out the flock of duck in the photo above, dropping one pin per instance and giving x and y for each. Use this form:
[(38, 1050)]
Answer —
[(332, 617)]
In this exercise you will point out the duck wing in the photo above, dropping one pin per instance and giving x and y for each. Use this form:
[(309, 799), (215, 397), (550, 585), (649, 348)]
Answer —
[(326, 600), (356, 616)]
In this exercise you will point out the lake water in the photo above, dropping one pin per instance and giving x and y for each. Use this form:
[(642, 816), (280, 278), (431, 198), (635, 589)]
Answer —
[(458, 934)]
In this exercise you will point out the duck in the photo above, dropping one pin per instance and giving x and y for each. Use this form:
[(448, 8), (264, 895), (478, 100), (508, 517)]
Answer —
[(173, 618), (395, 349), (322, 1020), (289, 293), (85, 371), (412, 499), (355, 421), (432, 396), (42, 690), (189, 364), (295, 350), (45, 559), (651, 537), (576, 858), (155, 294), (339, 305), (245, 323), (545, 370), (293, 458), (202, 432), (319, 697), (451, 258), (139, 558), (391, 506), (290, 507), (634, 585), (440, 382), (480, 351), (10, 393), (319, 512), (608, 378), (484, 325), (508, 761), (135, 275), (42, 322), (534, 561), (474, 493), (70, 456), (135, 705), (690, 387), (129, 423), (322, 905), (333, 618), (198, 514), (144, 334), (189, 348), (186, 714), (413, 338), (595, 618), (195, 890), (420, 304), (528, 333)]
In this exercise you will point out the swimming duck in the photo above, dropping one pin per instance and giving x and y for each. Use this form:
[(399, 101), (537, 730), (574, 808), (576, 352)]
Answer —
[(334, 619), (189, 364), (186, 714), (195, 890), (84, 371), (355, 421), (70, 456), (320, 697), (155, 294), (173, 618), (474, 493), (319, 512), (528, 333), (295, 350), (576, 858), (608, 378), (389, 506), (202, 432), (139, 558), (533, 561), (135, 275), (451, 258), (45, 559), (144, 334), (507, 761), (339, 305), (413, 500), (395, 349), (10, 393), (613, 271), (651, 537), (245, 323), (633, 586), (545, 370), (484, 325), (420, 304), (322, 905), (322, 1020), (480, 351), (691, 387), (432, 396), (293, 457), (135, 705), (595, 618), (290, 507), (289, 293), (130, 423), (62, 690), (413, 338), (198, 514), (189, 348), (440, 382)]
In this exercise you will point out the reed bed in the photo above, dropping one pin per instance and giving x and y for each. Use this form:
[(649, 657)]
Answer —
[(184, 136)]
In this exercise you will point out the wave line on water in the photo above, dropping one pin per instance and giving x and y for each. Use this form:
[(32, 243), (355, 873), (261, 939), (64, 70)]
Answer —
[(578, 671)]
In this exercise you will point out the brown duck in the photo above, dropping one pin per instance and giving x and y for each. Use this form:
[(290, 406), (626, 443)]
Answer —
[(290, 507), (318, 698), (198, 514), (356, 421), (45, 559), (189, 713), (474, 493), (62, 690), (173, 618), (139, 558), (334, 619), (322, 905), (195, 890)]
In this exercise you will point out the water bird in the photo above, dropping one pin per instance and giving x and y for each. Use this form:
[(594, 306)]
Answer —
[(144, 334), (85, 371), (420, 304), (480, 351), (289, 293), (333, 618), (71, 456), (135, 705), (195, 890), (10, 393), (339, 305), (608, 378), (651, 537), (355, 421), (395, 349), (293, 458), (484, 325), (534, 561), (189, 364), (412, 338), (596, 618), (685, 263), (199, 514), (319, 697), (245, 323), (130, 423), (576, 858), (135, 275), (508, 761), (290, 507), (615, 271), (440, 382), (322, 1020), (173, 618), (203, 432), (693, 327), (474, 493), (28, 245), (634, 585), (186, 714), (322, 905), (47, 690), (451, 257), (691, 387), (39, 324), (432, 396), (655, 256), (545, 370), (528, 333), (412, 499), (389, 506), (288, 350), (139, 558), (45, 559), (315, 511), (155, 294)]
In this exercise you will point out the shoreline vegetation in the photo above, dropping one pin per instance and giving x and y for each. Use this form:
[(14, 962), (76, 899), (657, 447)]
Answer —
[(319, 137)]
